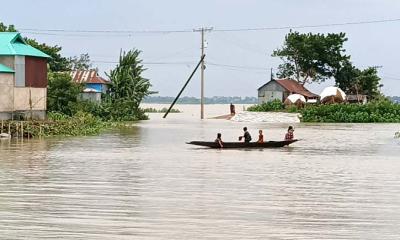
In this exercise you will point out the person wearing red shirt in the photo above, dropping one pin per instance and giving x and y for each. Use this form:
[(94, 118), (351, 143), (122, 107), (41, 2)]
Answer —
[(289, 135)]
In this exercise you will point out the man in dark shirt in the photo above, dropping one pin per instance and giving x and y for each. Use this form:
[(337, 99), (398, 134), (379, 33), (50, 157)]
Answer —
[(246, 136)]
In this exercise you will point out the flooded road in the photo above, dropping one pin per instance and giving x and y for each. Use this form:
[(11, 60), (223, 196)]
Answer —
[(342, 181)]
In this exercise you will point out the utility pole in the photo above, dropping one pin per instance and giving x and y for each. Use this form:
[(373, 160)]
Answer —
[(202, 30)]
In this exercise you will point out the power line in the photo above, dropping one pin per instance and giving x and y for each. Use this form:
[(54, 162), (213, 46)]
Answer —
[(133, 32), (148, 63), (308, 26), (237, 66)]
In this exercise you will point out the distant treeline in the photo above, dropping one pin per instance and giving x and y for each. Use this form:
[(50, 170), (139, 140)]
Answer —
[(395, 99), (193, 100)]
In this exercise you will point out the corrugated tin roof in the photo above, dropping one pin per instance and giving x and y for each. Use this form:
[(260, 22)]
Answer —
[(12, 44), (293, 87), (87, 76), (5, 69)]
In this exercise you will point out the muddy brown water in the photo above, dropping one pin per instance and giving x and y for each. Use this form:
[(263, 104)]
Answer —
[(342, 181)]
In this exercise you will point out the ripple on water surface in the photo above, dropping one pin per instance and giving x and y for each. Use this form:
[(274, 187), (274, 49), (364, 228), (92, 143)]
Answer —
[(339, 182)]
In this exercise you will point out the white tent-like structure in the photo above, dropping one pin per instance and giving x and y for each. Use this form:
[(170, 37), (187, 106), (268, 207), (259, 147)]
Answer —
[(333, 95), (295, 99)]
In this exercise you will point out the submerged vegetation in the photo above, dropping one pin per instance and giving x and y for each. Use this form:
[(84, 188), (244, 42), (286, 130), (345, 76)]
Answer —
[(58, 124), (272, 106), (382, 111), (163, 110), (378, 111)]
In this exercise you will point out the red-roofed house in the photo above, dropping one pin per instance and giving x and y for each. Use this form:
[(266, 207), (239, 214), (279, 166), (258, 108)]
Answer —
[(281, 89), (95, 85)]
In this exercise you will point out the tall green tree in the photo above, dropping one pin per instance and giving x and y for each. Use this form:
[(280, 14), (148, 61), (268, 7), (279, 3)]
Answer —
[(346, 78), (128, 87), (370, 82), (355, 81), (309, 57)]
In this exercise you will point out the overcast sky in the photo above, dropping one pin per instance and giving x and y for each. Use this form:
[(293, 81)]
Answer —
[(249, 52)]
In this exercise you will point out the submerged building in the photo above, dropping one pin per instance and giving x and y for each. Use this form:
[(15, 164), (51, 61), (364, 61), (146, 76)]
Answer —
[(94, 84), (23, 79), (280, 89)]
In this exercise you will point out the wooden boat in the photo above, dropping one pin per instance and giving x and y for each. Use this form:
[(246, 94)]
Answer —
[(270, 144)]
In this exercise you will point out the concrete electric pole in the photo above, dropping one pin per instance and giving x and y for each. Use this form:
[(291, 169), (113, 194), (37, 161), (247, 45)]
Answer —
[(202, 30)]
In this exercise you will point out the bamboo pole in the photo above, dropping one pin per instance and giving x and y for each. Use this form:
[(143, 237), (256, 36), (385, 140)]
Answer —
[(2, 125), (22, 130)]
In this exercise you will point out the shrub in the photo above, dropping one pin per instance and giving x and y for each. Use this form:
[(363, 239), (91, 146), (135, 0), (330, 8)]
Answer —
[(378, 111), (275, 105)]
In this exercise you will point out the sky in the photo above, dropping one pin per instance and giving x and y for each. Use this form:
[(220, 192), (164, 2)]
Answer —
[(237, 63)]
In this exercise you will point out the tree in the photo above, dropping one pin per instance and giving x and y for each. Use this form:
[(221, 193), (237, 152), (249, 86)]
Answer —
[(62, 93), (128, 88), (5, 28), (369, 82), (311, 57), (57, 63), (346, 78), (355, 81), (80, 63)]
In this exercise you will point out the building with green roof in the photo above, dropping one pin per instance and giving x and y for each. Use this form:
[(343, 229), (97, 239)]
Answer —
[(5, 69), (23, 78)]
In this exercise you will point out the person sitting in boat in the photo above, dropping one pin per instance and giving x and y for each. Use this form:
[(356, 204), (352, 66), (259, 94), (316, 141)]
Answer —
[(289, 135), (219, 140), (246, 136), (260, 136)]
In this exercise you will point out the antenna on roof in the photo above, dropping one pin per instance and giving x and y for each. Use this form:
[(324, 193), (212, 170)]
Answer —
[(272, 74)]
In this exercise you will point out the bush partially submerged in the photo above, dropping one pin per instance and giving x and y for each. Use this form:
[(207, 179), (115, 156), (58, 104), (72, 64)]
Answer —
[(275, 105), (382, 111)]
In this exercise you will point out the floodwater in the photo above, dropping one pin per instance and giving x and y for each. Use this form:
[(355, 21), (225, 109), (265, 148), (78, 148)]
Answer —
[(342, 181)]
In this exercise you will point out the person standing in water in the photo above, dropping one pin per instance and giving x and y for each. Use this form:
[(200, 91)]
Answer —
[(219, 140), (246, 136), (232, 108)]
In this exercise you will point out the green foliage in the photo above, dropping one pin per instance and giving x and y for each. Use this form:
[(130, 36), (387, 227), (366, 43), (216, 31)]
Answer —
[(128, 89), (275, 105), (397, 135), (57, 63), (382, 111), (355, 81), (311, 57), (5, 28), (163, 110), (62, 93), (81, 123), (80, 63)]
